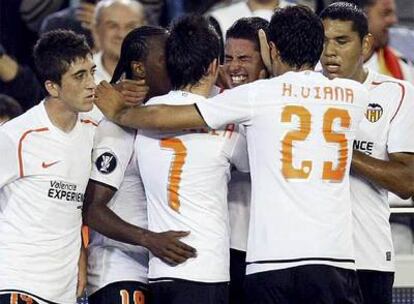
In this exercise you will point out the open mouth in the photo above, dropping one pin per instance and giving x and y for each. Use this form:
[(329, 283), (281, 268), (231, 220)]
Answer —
[(238, 79), (332, 67)]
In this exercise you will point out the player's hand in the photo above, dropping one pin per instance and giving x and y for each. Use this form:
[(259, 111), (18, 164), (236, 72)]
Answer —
[(85, 14), (82, 272), (134, 91), (265, 51), (109, 100), (168, 247)]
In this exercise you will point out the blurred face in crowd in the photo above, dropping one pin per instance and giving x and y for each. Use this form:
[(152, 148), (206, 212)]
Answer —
[(381, 16), (243, 63), (113, 23), (77, 85), (344, 51)]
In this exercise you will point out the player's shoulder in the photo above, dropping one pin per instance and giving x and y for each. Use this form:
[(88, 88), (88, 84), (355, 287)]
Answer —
[(175, 98), (378, 79), (107, 128), (88, 120), (28, 122)]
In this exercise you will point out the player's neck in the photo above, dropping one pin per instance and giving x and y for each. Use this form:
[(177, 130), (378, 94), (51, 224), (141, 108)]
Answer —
[(109, 63), (256, 5), (202, 88), (361, 75), (60, 115)]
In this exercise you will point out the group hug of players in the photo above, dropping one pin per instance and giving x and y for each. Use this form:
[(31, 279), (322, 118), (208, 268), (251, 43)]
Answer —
[(156, 192)]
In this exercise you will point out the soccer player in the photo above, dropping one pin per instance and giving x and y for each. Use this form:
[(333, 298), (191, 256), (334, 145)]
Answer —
[(243, 64), (185, 174), (300, 128), (383, 160), (115, 198), (45, 167)]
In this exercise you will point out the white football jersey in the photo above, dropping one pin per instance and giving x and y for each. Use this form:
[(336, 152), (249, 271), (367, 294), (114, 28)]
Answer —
[(239, 206), (43, 176), (114, 165), (185, 175), (300, 128), (386, 128)]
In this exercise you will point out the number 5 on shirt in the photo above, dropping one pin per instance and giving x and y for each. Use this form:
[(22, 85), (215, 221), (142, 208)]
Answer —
[(176, 169), (305, 124)]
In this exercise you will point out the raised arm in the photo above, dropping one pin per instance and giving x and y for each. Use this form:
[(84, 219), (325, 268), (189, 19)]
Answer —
[(98, 216), (159, 117), (395, 175)]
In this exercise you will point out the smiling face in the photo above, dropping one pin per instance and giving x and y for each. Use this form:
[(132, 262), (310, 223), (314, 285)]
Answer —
[(343, 51), (242, 63), (77, 85)]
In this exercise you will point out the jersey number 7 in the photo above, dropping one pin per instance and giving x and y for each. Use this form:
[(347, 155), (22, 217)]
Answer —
[(174, 177), (329, 173)]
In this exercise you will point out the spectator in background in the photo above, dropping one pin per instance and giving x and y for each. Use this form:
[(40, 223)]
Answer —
[(9, 108), (19, 81), (114, 19), (383, 59), (78, 18), (251, 8)]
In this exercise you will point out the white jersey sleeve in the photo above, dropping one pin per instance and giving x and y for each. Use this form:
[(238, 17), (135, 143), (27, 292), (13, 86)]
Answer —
[(231, 106), (238, 155), (113, 148), (8, 160), (400, 137)]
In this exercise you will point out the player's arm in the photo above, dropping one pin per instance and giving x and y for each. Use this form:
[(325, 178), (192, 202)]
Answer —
[(395, 175), (159, 117), (82, 271), (98, 216)]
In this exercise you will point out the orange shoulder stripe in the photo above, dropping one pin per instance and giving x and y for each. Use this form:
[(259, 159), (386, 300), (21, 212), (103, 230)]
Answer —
[(402, 94), (20, 149), (88, 121)]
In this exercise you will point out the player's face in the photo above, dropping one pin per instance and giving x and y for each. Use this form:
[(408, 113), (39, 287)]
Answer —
[(115, 22), (156, 75), (77, 86), (381, 16), (343, 52), (242, 63)]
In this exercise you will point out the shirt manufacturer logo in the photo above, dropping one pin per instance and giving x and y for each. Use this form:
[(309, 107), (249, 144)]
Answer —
[(47, 165)]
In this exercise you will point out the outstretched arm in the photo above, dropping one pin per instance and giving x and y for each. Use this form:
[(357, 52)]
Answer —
[(166, 245), (395, 175), (159, 117)]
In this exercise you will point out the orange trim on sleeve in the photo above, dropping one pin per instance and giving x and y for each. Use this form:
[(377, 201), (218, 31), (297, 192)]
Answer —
[(20, 149), (402, 94), (88, 121)]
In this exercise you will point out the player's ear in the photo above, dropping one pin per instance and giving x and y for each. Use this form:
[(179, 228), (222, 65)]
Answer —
[(274, 52), (138, 69), (213, 68), (367, 45), (52, 88)]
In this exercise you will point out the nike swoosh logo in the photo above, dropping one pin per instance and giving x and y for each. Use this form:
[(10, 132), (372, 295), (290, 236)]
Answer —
[(47, 165)]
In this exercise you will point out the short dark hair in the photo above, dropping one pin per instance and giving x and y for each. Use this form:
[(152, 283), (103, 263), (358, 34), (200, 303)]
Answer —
[(191, 47), (345, 11), (56, 50), (247, 28), (135, 47), (298, 34), (9, 107)]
